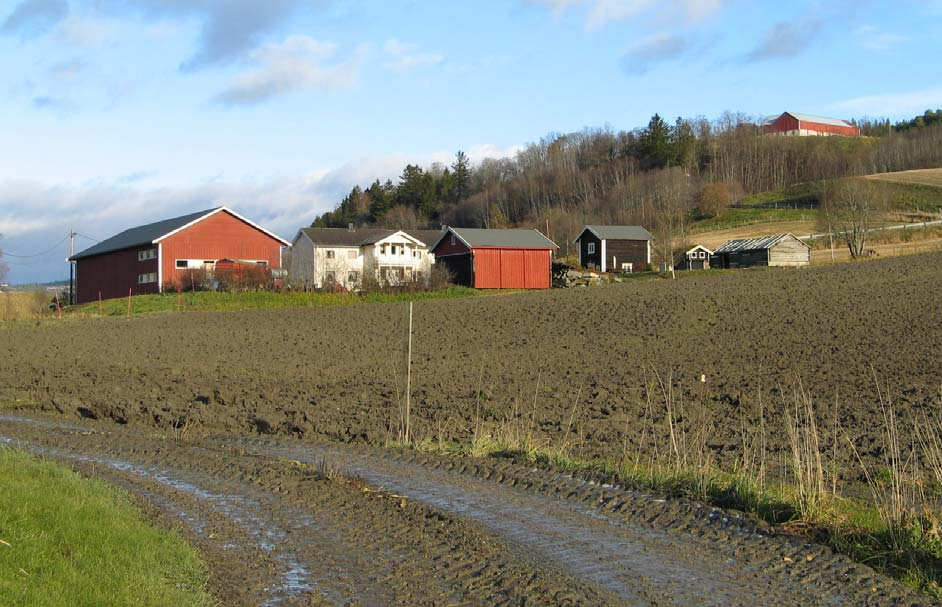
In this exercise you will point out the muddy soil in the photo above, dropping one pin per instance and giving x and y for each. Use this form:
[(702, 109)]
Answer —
[(412, 529), (525, 362)]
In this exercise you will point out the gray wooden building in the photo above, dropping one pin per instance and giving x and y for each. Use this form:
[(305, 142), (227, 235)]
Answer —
[(614, 248), (776, 250)]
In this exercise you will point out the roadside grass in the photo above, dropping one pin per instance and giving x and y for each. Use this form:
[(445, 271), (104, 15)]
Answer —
[(896, 531), (253, 300), (24, 305), (880, 237), (67, 540), (737, 218)]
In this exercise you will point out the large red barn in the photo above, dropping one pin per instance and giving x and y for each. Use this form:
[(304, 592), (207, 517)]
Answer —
[(146, 259), (496, 259), (805, 125)]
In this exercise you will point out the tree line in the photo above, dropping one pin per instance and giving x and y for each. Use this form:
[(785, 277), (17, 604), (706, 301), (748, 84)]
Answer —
[(656, 176)]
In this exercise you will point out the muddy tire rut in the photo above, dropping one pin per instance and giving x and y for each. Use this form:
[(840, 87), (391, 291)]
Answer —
[(412, 529)]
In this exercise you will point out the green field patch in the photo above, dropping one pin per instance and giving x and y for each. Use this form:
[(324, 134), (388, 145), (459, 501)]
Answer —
[(736, 218), (70, 541)]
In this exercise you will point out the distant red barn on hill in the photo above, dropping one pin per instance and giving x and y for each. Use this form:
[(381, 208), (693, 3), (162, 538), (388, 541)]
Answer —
[(496, 259), (806, 125), (148, 258)]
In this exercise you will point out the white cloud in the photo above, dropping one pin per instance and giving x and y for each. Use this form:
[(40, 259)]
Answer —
[(85, 32), (299, 63), (652, 51), (898, 105), (602, 12), (405, 56), (873, 39)]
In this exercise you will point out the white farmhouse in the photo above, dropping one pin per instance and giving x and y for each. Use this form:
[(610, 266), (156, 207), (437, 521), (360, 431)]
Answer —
[(327, 257)]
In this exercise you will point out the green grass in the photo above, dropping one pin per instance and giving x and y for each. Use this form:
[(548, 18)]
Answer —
[(735, 218), (255, 300), (801, 194), (70, 541), (904, 196)]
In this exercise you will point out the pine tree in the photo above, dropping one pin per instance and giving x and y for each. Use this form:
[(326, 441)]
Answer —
[(655, 144), (461, 176)]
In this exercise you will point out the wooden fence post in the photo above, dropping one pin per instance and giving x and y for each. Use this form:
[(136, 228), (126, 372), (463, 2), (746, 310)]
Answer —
[(129, 304)]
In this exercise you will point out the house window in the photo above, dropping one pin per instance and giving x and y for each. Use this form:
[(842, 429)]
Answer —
[(382, 249), (147, 254), (352, 278), (453, 240), (330, 254), (702, 255), (351, 254), (329, 277), (261, 263), (150, 277), (591, 248), (182, 264)]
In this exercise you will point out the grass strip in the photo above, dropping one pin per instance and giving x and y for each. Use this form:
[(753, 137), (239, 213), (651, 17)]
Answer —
[(70, 541)]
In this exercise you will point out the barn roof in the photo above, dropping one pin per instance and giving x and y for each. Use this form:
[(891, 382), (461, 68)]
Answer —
[(141, 235), (151, 233), (754, 244), (618, 232), (505, 239), (357, 237), (810, 118), (426, 237)]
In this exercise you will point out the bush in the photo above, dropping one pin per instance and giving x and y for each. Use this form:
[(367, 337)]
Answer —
[(714, 199)]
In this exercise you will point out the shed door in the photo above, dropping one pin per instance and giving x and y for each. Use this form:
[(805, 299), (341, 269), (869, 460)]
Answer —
[(537, 270), (487, 268), (513, 269)]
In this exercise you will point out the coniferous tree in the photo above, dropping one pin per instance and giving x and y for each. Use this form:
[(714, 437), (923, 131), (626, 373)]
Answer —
[(655, 143), (461, 176)]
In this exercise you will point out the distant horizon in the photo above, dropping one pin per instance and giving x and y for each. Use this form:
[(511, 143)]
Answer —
[(123, 113)]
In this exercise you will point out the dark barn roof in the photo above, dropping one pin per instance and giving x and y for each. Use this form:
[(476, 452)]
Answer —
[(426, 237), (504, 239), (618, 232), (345, 237), (141, 235)]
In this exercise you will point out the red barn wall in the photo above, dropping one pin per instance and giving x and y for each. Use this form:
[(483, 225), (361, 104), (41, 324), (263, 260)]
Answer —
[(220, 236), (787, 123), (511, 268), (113, 274)]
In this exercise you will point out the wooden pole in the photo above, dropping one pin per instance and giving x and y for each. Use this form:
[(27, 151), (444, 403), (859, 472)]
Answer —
[(409, 379), (129, 304), (58, 306), (99, 304)]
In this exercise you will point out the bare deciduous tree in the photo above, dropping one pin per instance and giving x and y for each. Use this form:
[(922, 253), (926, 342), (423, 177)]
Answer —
[(853, 208)]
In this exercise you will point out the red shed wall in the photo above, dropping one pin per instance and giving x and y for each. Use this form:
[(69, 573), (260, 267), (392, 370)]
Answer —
[(220, 236), (446, 248), (850, 131), (783, 124), (113, 274), (511, 268)]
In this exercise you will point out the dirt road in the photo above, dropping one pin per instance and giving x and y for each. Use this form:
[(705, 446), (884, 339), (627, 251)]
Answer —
[(411, 529)]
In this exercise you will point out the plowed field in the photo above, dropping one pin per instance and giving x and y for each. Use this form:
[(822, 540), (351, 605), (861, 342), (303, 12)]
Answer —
[(602, 358)]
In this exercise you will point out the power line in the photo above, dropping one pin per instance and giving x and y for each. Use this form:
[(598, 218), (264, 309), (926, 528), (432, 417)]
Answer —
[(88, 237), (46, 252)]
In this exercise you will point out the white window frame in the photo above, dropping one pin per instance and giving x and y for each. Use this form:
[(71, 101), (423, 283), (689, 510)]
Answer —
[(147, 254), (590, 248), (147, 278), (330, 254), (351, 255)]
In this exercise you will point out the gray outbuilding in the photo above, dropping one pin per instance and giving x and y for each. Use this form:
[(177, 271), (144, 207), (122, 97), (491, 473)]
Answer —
[(775, 250)]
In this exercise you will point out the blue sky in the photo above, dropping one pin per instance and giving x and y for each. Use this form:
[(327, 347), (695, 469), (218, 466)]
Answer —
[(119, 112)]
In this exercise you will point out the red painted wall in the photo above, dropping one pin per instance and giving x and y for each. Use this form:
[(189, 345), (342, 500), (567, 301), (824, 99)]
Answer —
[(221, 236), (787, 122), (446, 248), (113, 274), (511, 268)]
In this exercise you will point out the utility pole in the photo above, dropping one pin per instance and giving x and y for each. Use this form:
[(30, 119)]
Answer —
[(71, 267)]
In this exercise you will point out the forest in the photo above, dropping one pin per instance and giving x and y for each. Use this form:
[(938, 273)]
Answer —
[(661, 176)]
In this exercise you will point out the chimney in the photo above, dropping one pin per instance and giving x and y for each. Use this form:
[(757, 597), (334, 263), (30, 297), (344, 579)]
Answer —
[(350, 227)]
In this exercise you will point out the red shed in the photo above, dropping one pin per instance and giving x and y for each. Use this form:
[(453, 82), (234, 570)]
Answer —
[(149, 258), (804, 125), (496, 259)]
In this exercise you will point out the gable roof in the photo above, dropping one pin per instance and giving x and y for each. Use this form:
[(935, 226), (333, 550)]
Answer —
[(811, 118), (617, 233), (504, 239), (141, 235), (345, 237), (755, 244), (701, 247), (152, 233), (426, 237)]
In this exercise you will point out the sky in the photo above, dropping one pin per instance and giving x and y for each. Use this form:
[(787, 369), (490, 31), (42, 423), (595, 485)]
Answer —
[(115, 113)]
